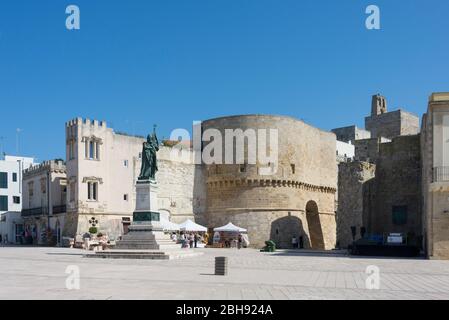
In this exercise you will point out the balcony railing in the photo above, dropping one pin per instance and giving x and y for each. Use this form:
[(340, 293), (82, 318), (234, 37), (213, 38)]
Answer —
[(59, 209), (33, 212), (441, 174)]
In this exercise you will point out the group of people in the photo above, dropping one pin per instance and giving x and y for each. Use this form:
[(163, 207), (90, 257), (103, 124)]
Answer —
[(239, 242), (188, 240), (230, 240), (297, 244)]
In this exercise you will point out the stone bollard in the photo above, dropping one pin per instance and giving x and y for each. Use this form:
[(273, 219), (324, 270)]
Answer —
[(221, 266)]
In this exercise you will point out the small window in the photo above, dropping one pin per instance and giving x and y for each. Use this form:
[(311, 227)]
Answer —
[(92, 191), (3, 203), (242, 168), (293, 168), (3, 180), (16, 200), (125, 197), (14, 177), (91, 150), (125, 163), (399, 215)]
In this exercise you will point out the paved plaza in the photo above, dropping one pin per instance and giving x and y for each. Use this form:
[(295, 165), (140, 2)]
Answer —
[(40, 273)]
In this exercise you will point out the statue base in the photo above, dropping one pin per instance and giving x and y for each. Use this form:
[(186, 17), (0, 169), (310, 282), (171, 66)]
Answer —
[(145, 232)]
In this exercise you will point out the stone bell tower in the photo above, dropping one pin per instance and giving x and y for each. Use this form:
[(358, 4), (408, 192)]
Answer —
[(378, 105)]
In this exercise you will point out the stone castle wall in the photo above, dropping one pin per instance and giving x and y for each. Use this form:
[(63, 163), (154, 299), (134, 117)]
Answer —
[(353, 183), (392, 124), (398, 184), (270, 206)]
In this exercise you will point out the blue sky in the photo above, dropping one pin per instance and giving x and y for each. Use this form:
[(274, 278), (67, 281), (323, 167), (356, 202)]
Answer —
[(135, 63)]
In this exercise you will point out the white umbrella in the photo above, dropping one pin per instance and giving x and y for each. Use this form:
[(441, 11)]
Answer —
[(230, 227), (189, 225)]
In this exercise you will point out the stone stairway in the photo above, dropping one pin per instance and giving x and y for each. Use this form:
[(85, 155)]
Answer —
[(144, 254)]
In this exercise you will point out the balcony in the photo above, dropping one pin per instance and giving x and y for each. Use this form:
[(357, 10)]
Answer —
[(440, 174), (34, 212), (59, 209)]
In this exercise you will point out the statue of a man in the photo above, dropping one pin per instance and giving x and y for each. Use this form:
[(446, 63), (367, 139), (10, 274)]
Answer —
[(149, 159)]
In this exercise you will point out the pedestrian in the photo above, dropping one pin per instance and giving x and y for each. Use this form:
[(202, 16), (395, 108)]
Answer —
[(240, 240), (294, 242), (191, 240), (183, 240), (195, 239)]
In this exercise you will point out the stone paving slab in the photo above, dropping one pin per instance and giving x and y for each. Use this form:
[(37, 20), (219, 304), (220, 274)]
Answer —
[(40, 273)]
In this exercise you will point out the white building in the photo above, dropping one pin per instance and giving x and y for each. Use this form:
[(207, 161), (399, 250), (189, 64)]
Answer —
[(345, 151), (11, 199), (102, 170)]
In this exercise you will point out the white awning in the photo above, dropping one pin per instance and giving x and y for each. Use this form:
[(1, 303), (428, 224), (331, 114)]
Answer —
[(230, 227), (169, 226), (189, 225)]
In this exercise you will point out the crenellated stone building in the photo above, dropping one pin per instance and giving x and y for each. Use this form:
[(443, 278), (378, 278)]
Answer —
[(398, 181), (44, 201), (102, 169), (297, 199), (322, 186)]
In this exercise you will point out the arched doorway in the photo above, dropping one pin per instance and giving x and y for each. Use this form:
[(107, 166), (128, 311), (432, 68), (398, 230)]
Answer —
[(315, 230)]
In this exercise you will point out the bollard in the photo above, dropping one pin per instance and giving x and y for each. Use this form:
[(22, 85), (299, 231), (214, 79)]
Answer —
[(221, 266)]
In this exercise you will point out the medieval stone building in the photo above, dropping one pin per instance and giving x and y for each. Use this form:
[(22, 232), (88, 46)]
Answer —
[(297, 199), (398, 180), (324, 188)]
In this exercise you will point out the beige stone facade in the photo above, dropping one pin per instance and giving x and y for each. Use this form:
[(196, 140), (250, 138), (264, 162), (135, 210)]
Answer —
[(102, 169), (297, 200), (435, 177), (44, 201)]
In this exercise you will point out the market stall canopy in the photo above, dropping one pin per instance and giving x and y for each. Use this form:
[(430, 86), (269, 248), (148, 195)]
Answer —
[(189, 225), (169, 226), (230, 227)]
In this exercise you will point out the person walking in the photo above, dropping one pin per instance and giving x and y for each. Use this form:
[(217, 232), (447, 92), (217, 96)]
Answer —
[(195, 239), (294, 242), (191, 240), (240, 240), (183, 240)]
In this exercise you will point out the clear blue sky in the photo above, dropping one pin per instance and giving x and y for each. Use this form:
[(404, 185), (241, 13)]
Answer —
[(135, 63)]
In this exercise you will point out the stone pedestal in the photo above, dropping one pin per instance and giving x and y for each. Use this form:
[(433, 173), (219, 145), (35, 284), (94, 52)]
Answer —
[(145, 238), (146, 232)]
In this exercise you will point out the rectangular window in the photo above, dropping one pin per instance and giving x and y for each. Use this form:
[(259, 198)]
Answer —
[(92, 191), (125, 163), (95, 191), (14, 177), (86, 149), (16, 200), (399, 215), (293, 168), (97, 151), (30, 188), (125, 197), (44, 185), (3, 180), (3, 203), (91, 150)]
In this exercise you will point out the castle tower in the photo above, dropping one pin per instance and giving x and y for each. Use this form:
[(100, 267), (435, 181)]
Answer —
[(378, 105)]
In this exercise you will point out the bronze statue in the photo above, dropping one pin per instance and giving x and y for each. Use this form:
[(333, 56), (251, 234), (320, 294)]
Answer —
[(149, 159)]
